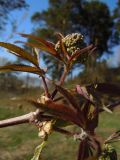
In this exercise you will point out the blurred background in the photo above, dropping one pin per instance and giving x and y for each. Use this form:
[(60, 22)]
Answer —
[(99, 22)]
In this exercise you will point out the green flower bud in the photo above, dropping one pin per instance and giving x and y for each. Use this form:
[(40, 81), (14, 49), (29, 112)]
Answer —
[(72, 43)]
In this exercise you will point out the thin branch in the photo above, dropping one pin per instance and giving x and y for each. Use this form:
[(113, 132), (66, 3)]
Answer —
[(62, 79), (45, 87), (20, 119), (63, 131)]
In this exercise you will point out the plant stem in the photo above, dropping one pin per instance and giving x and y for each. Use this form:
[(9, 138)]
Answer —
[(45, 87), (62, 79), (60, 130), (20, 119)]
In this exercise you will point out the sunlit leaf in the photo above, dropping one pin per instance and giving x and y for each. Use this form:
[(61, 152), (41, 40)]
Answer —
[(42, 44), (42, 47), (22, 68), (38, 39), (83, 92), (19, 52)]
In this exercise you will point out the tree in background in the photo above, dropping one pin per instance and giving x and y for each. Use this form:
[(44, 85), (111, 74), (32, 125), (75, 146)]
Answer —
[(9, 81), (116, 17), (87, 17)]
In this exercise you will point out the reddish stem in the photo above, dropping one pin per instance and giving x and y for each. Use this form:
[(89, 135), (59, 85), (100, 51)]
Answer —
[(45, 87), (62, 79)]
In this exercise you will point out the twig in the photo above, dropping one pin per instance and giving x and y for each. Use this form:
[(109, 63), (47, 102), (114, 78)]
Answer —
[(63, 131), (20, 119), (62, 79), (45, 87)]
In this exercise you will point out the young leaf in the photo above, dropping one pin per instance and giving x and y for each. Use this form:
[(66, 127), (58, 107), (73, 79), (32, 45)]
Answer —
[(69, 97), (19, 52), (60, 37), (60, 111), (66, 113), (42, 44), (44, 48), (22, 68), (82, 91), (81, 51), (38, 151), (38, 39), (41, 47)]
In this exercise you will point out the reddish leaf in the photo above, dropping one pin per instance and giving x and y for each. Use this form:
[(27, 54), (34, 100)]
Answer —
[(42, 44), (90, 114), (81, 51), (22, 68), (61, 111), (83, 91), (69, 97), (38, 39), (65, 112), (19, 52), (60, 37), (41, 47), (95, 145)]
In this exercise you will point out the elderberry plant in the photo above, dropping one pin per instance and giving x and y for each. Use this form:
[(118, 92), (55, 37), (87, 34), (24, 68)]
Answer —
[(84, 103)]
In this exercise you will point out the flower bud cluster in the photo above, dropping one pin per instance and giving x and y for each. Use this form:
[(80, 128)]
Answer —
[(108, 150), (45, 129), (72, 42)]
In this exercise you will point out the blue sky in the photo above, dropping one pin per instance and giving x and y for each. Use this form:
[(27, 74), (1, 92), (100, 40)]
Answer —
[(24, 25), (22, 20)]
